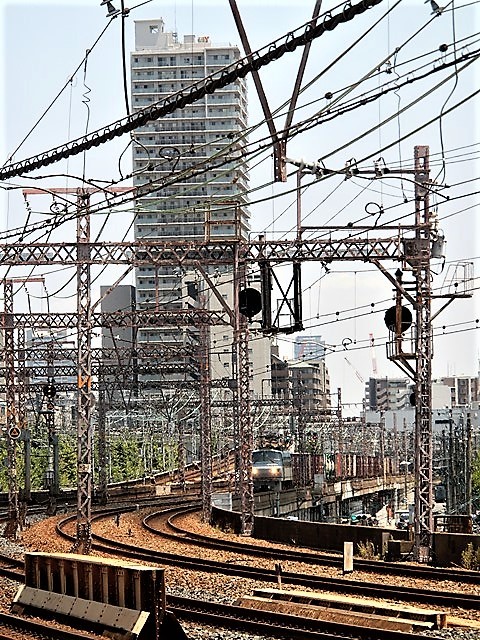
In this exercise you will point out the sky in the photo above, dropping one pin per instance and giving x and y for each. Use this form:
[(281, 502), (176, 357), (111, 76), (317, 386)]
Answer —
[(45, 44)]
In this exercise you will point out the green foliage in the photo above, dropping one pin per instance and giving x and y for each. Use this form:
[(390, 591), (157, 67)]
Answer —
[(129, 458), (67, 461), (126, 459), (476, 476), (471, 557), (367, 551)]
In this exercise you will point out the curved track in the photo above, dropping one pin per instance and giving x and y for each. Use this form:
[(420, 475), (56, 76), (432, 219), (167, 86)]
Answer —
[(180, 534), (446, 600), (11, 626), (268, 623)]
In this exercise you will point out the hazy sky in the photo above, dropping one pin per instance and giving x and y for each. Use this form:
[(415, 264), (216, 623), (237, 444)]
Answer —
[(44, 44)]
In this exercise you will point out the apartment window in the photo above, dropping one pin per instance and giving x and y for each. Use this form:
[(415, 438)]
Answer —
[(154, 28)]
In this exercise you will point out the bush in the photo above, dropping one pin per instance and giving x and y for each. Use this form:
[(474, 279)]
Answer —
[(471, 557), (367, 551)]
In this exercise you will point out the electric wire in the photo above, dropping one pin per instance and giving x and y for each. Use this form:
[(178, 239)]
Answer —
[(69, 81)]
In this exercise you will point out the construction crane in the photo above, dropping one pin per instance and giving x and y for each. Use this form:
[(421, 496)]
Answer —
[(357, 372)]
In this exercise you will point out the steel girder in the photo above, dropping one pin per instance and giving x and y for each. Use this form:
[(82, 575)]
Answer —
[(116, 319), (358, 245), (41, 352), (423, 376), (120, 370), (244, 427), (205, 423), (84, 379)]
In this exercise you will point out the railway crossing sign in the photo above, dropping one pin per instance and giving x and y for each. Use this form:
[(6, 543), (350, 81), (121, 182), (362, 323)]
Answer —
[(15, 432)]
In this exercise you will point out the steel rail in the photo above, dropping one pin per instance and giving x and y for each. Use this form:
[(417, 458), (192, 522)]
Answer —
[(375, 566), (38, 629), (267, 623), (377, 590), (270, 623)]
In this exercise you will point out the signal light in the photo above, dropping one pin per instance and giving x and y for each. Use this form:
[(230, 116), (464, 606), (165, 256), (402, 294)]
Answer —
[(249, 302), (49, 391), (391, 319)]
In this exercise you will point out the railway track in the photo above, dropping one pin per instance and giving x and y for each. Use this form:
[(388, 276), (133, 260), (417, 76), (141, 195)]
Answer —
[(277, 624), (11, 568), (267, 623), (15, 627), (181, 534), (354, 587)]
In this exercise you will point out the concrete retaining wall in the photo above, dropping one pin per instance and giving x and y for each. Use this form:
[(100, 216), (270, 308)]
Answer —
[(447, 547)]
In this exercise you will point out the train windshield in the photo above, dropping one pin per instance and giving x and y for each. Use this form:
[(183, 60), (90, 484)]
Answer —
[(267, 456)]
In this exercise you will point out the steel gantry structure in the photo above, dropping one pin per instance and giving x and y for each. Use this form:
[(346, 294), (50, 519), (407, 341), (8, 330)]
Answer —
[(410, 246)]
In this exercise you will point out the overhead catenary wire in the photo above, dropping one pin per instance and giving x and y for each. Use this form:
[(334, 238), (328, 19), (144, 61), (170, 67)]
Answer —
[(179, 100), (69, 81)]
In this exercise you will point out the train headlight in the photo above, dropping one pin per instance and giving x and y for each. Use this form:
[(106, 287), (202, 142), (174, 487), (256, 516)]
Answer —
[(254, 471)]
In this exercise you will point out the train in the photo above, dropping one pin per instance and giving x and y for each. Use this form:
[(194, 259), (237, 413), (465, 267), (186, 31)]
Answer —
[(275, 469), (271, 469)]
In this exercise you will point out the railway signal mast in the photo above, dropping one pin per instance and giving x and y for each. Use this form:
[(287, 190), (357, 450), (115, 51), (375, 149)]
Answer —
[(410, 245), (417, 361)]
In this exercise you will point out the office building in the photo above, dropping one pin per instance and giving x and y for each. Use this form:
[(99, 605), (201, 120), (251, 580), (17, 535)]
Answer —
[(309, 348), (383, 394)]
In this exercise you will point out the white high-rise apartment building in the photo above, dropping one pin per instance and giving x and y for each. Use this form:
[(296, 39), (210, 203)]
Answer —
[(212, 203), (208, 134)]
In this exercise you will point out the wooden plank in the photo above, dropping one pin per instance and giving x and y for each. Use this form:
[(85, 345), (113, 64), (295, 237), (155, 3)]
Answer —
[(438, 618), (331, 614), (453, 621)]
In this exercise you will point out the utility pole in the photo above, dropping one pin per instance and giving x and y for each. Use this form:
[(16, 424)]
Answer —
[(84, 377), (245, 433), (13, 431), (205, 423), (340, 451), (423, 378), (49, 393), (102, 442), (468, 465), (21, 386)]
